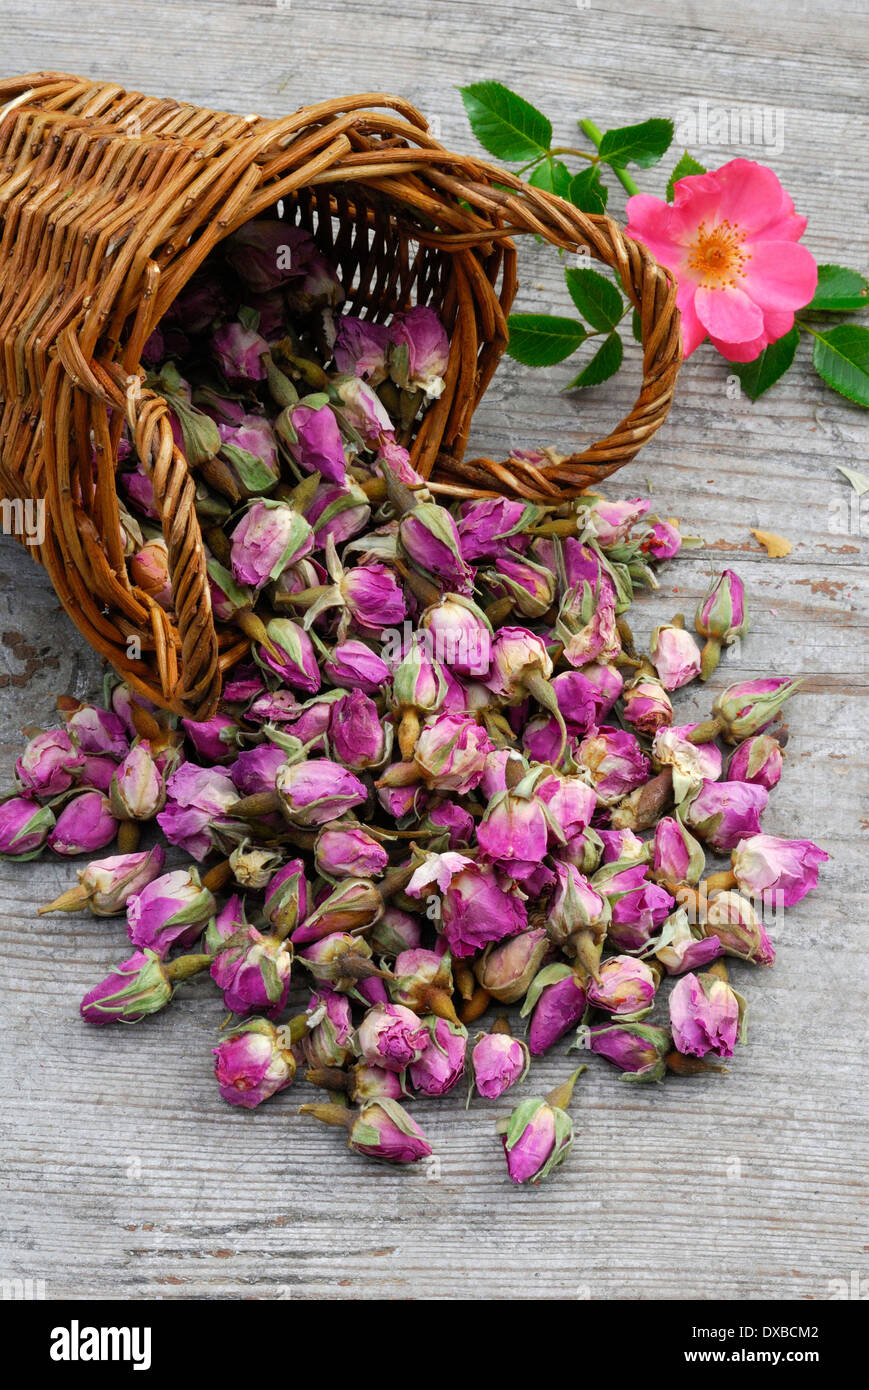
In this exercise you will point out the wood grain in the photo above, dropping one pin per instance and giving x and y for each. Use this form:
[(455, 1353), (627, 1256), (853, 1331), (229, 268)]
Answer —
[(124, 1174)]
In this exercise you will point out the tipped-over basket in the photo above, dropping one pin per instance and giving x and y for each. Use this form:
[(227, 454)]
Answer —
[(110, 201)]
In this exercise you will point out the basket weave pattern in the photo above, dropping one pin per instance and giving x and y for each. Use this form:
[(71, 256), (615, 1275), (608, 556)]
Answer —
[(110, 200)]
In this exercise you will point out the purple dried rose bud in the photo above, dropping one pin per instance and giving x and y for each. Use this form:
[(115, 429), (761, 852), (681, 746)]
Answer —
[(327, 1042), (675, 655), (172, 910), (419, 351), (556, 1000), (612, 521), (723, 813), (775, 870), (455, 820), (356, 736), (498, 1062), (476, 910), (364, 411), (86, 823), (721, 618), (317, 791), (342, 850), (229, 920), (139, 491), (269, 253), (290, 655), (356, 666), (339, 511), (391, 1036), (706, 1015), (613, 763), (239, 352), (517, 825), (95, 772), (531, 587), (213, 738), (625, 986), (136, 987), (106, 885), (374, 598), (382, 1129), (578, 916), (250, 452), (587, 627), (487, 524), (253, 1063), (451, 753), (270, 537), (678, 949), (353, 905), (758, 760), (423, 981), (507, 967), (608, 683), (623, 845), (678, 856), (571, 803), (95, 730), (538, 1135), (47, 765), (254, 972), (255, 769), (639, 1049), (361, 347), (460, 634), (647, 706), (692, 763), (286, 898), (662, 541), (749, 706), (396, 931), (341, 961), (316, 443), (24, 827), (137, 790), (442, 1064), (430, 540), (198, 800), (733, 921), (638, 905), (242, 684)]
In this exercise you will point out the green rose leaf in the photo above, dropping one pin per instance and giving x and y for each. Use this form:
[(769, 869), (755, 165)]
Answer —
[(541, 340), (587, 192), (596, 298), (758, 376), (840, 290), (841, 356), (504, 123), (604, 364), (637, 144), (553, 176), (686, 166)]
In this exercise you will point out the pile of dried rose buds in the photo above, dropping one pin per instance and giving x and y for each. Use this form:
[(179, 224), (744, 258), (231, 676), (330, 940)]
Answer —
[(445, 780)]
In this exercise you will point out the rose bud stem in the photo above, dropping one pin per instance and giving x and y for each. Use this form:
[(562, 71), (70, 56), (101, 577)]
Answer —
[(561, 1096), (690, 1066), (186, 966), (476, 1006), (329, 1114), (297, 1027), (394, 880), (255, 806), (129, 832), (71, 901), (624, 630), (498, 611), (709, 657), (218, 544), (720, 882), (465, 981), (329, 1078), (254, 628), (706, 732), (438, 1002), (217, 877), (422, 588)]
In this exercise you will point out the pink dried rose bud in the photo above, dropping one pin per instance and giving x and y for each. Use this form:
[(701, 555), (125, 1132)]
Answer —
[(170, 911), (361, 347), (254, 972), (95, 730), (106, 885), (317, 791), (623, 845), (229, 920), (662, 541), (646, 705), (137, 789), (419, 351), (48, 764), (338, 512), (286, 898), (269, 253), (531, 587), (383, 1130), (478, 909), (355, 666), (639, 1049), (396, 931), (517, 657), (357, 738), (678, 949), (638, 906), (612, 521), (24, 827), (538, 1135), (197, 803), (375, 1083), (451, 753), (507, 968), (328, 1041), (692, 763), (556, 1000), (342, 850), (364, 411), (353, 905), (429, 539), (488, 525), (423, 982), (86, 823), (341, 961), (290, 655), (214, 739), (460, 634), (706, 1015), (374, 598), (137, 987), (721, 618), (675, 655), (253, 1063), (498, 1062), (442, 1064), (578, 916), (255, 769), (723, 813), (239, 352), (455, 820), (750, 706), (315, 441), (733, 920), (571, 803), (608, 684), (270, 537), (517, 825), (677, 855), (625, 986), (613, 763), (758, 760), (776, 870), (149, 570), (391, 1036)]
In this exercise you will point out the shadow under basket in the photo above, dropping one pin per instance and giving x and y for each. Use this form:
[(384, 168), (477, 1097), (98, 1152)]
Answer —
[(111, 200)]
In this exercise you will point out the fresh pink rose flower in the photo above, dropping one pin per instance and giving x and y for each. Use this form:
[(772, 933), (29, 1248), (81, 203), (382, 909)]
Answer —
[(704, 1016), (766, 867)]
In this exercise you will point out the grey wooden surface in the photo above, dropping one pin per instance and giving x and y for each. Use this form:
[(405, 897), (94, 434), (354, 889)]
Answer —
[(123, 1173)]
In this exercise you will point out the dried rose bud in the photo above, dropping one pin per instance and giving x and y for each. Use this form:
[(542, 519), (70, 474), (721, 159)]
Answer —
[(139, 986), (506, 968), (137, 790), (442, 1064), (675, 655), (170, 911), (419, 351), (48, 763), (239, 351), (613, 520), (269, 253), (531, 587), (477, 910), (556, 1000), (253, 866), (498, 1062), (95, 730), (487, 524), (706, 1015), (286, 898), (342, 850), (24, 827), (613, 763), (290, 655), (356, 666), (723, 813), (418, 689), (317, 791), (625, 986), (777, 870), (678, 856), (342, 962), (338, 511), (578, 916), (229, 920), (270, 537), (328, 1040), (383, 1130), (363, 410), (678, 949), (692, 763), (391, 1036), (455, 820), (451, 753), (396, 931), (538, 1135), (430, 541), (662, 540), (517, 826), (254, 972), (608, 683), (253, 1063), (197, 803), (214, 739), (357, 739), (353, 905), (639, 1049), (732, 919), (721, 618), (107, 885), (758, 760), (149, 570), (86, 823), (571, 803), (255, 769), (423, 982), (315, 442), (360, 348), (586, 624), (249, 455), (746, 708), (646, 705)]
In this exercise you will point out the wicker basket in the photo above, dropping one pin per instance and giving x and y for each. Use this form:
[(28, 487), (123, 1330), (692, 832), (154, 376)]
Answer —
[(110, 201)]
